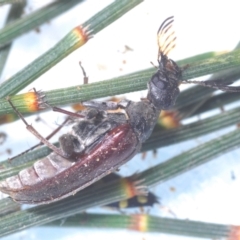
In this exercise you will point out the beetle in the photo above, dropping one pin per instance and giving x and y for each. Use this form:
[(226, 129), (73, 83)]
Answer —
[(101, 140)]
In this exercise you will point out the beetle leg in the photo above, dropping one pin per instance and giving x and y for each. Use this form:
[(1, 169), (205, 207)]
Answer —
[(31, 129), (85, 78), (71, 114), (103, 106), (41, 143)]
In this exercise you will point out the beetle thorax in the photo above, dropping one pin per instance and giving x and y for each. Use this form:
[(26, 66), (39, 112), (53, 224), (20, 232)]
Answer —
[(142, 116)]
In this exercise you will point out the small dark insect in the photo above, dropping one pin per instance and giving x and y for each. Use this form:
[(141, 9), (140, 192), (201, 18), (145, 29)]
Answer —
[(135, 202), (100, 141), (138, 201)]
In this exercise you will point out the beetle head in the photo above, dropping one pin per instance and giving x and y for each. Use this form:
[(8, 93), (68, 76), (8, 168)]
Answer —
[(163, 86)]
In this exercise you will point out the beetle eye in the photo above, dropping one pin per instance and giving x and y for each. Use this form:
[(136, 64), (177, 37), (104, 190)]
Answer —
[(158, 83)]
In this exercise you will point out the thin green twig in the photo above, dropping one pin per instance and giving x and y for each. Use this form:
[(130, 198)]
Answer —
[(128, 83), (14, 13), (149, 224), (73, 40), (34, 20)]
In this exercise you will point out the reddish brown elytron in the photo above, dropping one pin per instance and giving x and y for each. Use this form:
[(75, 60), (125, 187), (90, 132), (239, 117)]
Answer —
[(101, 140), (53, 178)]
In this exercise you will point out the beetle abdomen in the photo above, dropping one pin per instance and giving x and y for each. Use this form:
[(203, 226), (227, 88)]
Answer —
[(54, 177)]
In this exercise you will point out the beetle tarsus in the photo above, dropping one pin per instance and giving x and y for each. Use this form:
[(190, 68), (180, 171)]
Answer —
[(85, 78)]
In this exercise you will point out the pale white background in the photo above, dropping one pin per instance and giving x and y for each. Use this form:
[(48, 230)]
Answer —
[(208, 193)]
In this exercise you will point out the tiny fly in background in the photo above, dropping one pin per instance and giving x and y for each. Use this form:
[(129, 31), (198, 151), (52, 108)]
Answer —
[(101, 140)]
